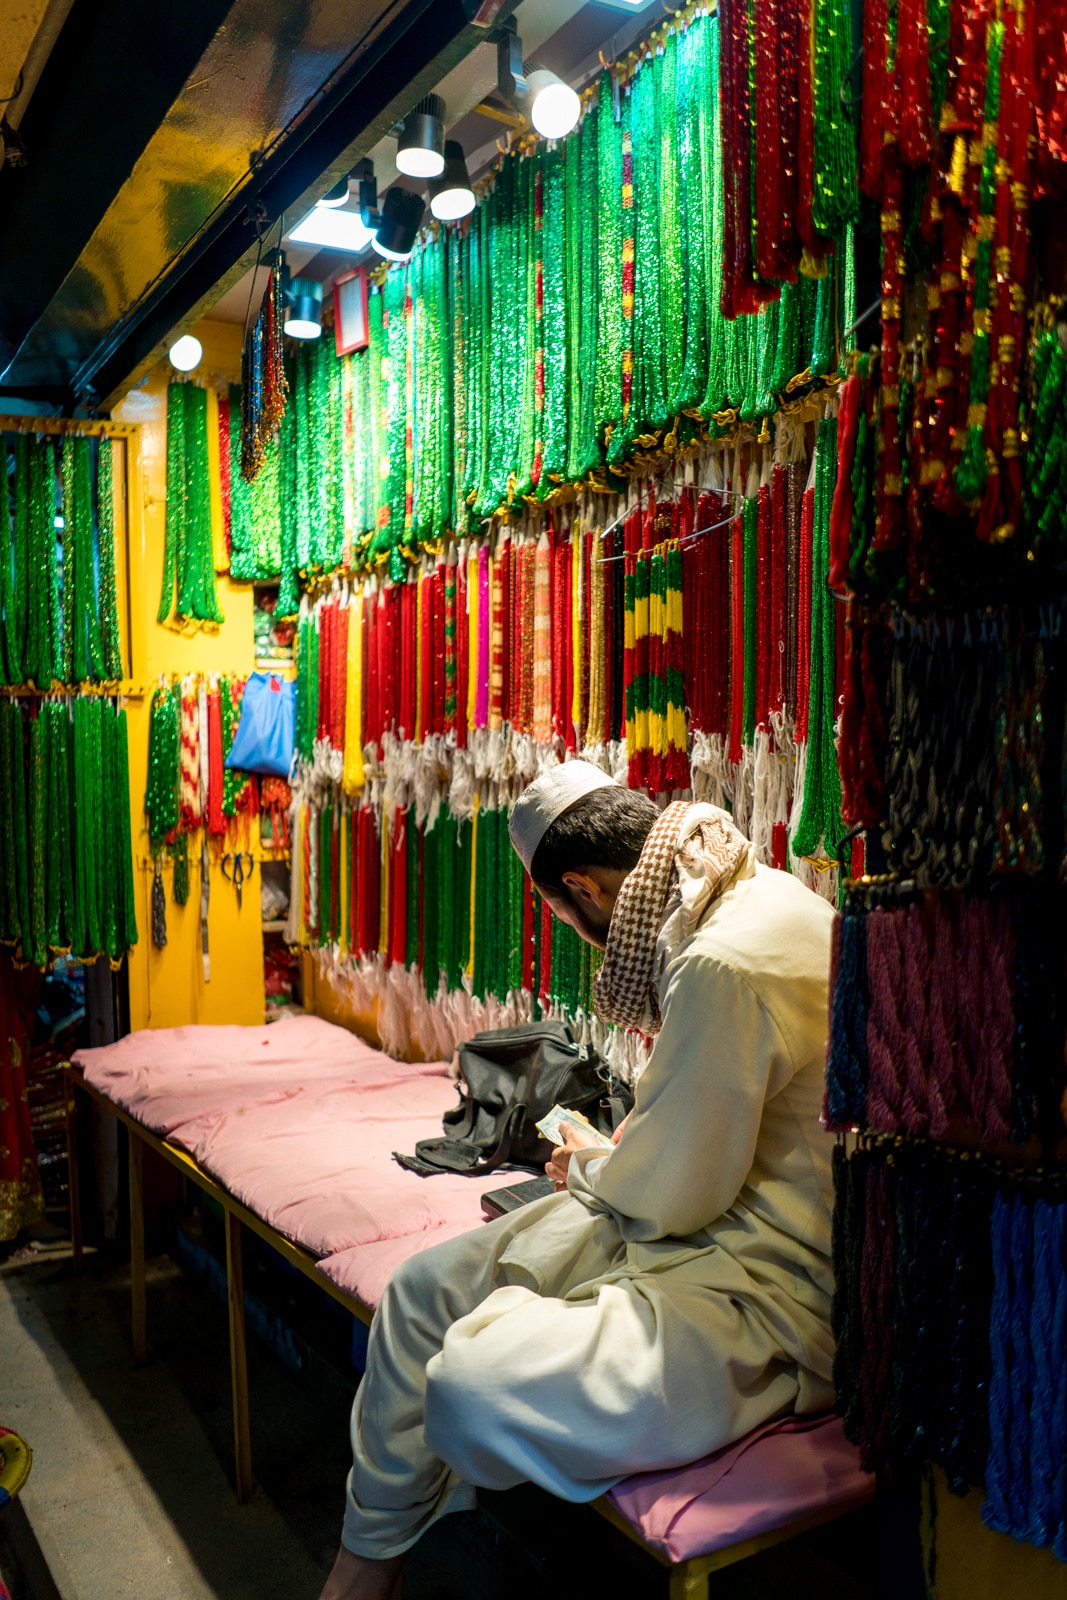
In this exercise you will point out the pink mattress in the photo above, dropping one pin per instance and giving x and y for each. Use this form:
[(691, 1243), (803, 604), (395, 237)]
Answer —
[(790, 1469), (299, 1121), (164, 1076)]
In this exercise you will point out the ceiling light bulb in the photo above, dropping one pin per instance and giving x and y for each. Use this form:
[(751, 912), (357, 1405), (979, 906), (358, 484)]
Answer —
[(554, 106), (335, 196), (303, 309), (400, 222), (451, 195), (185, 353), (420, 149)]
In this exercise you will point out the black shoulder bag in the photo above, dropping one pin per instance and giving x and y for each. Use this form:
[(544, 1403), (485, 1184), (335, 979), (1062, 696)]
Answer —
[(510, 1079)]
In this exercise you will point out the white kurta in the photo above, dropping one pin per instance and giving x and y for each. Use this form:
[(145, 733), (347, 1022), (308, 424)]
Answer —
[(674, 1299)]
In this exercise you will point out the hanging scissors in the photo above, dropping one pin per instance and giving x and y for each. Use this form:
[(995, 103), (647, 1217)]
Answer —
[(237, 872)]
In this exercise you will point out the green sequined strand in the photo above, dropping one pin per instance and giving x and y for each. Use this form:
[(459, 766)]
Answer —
[(17, 802), (394, 465), (9, 914), (127, 916), (70, 657), (164, 746), (174, 541), (521, 390), (716, 396), (554, 322), (694, 205), (242, 557), (820, 817), (37, 953), (110, 862), (10, 645), (608, 386), (87, 655), (110, 631), (835, 197), (649, 405), (288, 444), (232, 780), (973, 471), (670, 240), (456, 444), (23, 597)]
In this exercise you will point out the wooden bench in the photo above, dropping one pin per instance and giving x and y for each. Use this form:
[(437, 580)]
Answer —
[(688, 1576)]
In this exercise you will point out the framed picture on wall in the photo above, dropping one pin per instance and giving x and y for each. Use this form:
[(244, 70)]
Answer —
[(351, 330)]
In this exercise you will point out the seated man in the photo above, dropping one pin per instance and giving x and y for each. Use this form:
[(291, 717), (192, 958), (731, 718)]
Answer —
[(676, 1292)]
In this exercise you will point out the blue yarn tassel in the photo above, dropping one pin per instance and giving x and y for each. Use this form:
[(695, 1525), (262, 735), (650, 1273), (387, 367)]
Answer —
[(995, 1511), (1048, 1414), (846, 1065), (1022, 1369)]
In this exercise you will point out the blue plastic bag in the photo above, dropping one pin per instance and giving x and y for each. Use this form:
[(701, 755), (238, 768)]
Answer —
[(264, 738)]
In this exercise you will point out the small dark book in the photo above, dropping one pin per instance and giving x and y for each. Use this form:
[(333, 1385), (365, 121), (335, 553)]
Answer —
[(497, 1201)]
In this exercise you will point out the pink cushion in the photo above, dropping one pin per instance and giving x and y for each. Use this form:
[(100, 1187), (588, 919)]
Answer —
[(164, 1076), (318, 1166), (791, 1468), (299, 1121)]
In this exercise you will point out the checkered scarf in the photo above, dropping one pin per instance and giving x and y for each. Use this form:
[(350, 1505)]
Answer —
[(624, 988)]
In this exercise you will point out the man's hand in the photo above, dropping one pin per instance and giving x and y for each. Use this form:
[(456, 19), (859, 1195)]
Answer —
[(573, 1139)]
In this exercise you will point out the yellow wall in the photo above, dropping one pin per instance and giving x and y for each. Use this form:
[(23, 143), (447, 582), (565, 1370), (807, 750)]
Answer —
[(167, 986), (968, 1562)]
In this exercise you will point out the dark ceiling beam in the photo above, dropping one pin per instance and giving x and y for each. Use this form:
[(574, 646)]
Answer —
[(410, 55), (80, 149)]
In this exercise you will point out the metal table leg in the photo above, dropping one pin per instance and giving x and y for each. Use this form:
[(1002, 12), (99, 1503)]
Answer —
[(242, 1439), (137, 1275)]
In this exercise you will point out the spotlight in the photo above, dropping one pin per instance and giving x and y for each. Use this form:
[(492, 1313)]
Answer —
[(400, 222), (335, 196), (420, 150), (554, 106), (550, 104), (303, 309), (451, 195), (185, 353)]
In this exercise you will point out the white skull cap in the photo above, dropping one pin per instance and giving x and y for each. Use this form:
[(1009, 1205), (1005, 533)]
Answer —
[(542, 801)]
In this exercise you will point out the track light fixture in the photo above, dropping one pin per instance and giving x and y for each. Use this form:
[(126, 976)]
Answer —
[(421, 146), (301, 302), (551, 105), (400, 221), (451, 195), (303, 309)]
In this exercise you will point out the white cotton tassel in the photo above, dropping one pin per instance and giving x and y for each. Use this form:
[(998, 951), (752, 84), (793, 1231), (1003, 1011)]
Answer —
[(426, 777), (708, 768), (461, 789), (524, 757), (393, 1016), (742, 774), (618, 765), (313, 874), (765, 785)]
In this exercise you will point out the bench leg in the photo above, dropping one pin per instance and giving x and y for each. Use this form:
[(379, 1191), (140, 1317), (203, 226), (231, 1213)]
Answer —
[(688, 1582), (74, 1194), (137, 1274), (235, 1287)]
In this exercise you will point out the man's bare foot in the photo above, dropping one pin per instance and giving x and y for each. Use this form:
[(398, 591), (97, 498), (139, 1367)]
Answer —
[(358, 1578)]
